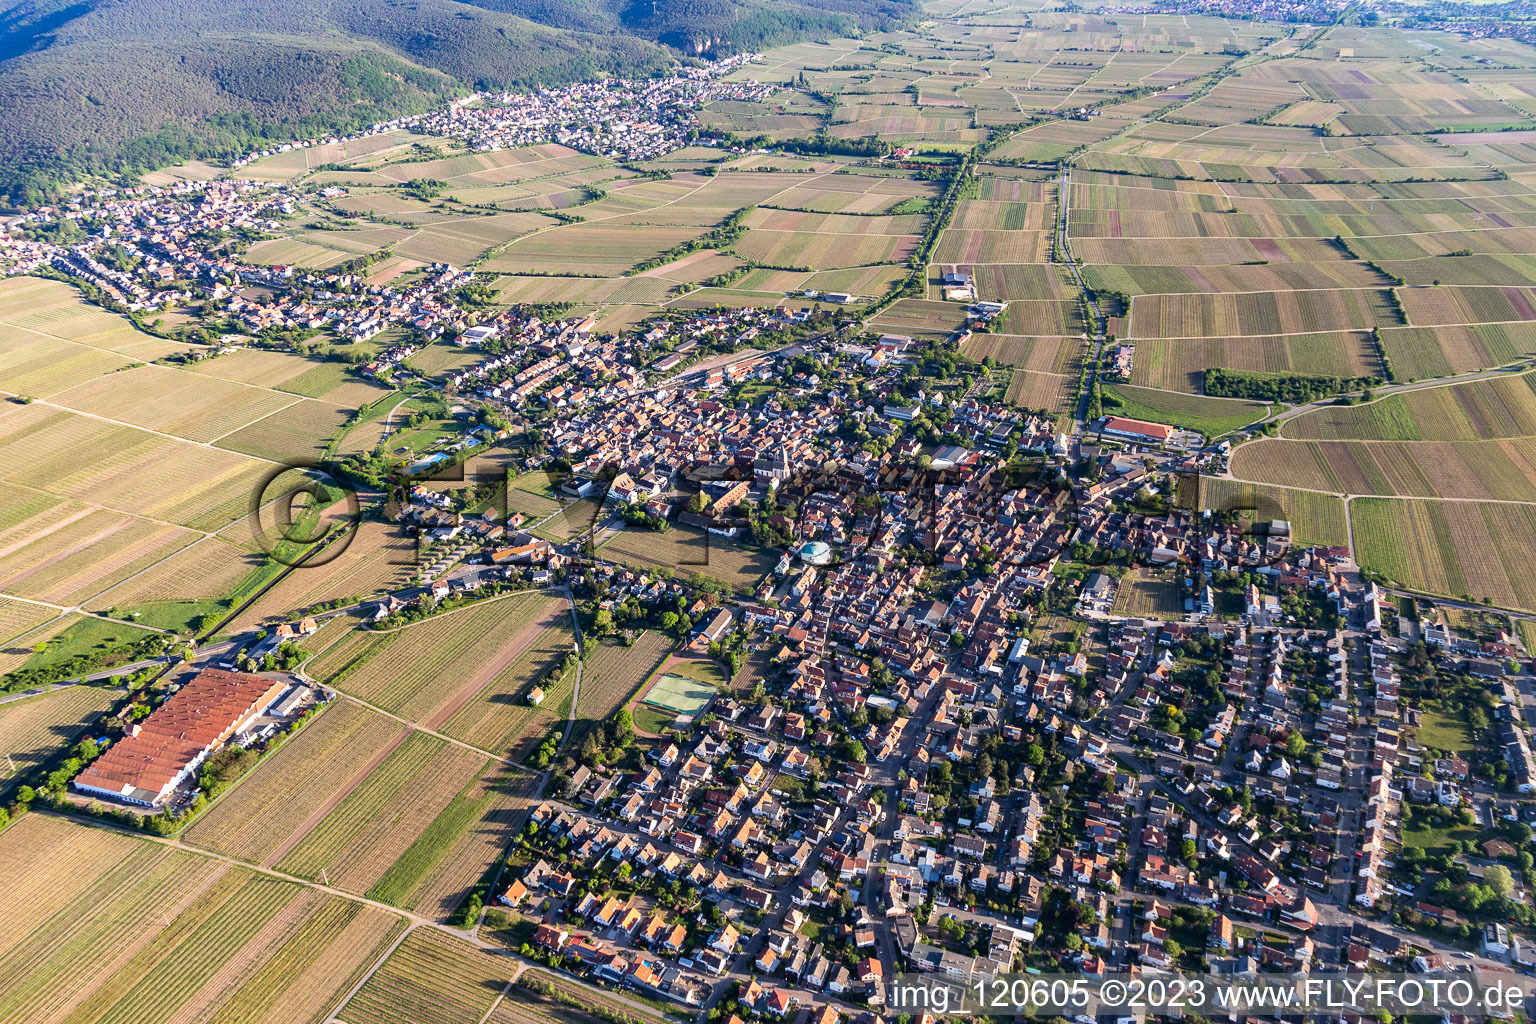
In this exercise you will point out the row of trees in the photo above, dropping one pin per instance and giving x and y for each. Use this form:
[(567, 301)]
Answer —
[(1295, 388)]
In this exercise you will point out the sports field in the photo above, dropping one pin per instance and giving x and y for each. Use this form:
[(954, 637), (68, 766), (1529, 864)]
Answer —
[(679, 693)]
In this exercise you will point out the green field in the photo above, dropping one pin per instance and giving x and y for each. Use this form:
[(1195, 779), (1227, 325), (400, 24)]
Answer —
[(1447, 731), (1210, 416)]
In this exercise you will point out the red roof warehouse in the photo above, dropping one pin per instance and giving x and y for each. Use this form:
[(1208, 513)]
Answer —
[(146, 766), (1140, 430)]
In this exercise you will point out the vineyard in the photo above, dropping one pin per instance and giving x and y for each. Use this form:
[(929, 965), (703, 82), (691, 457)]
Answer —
[(1451, 304), (1205, 315), (430, 978), (1180, 364), (612, 675), (255, 818), (436, 873), (1043, 354), (1478, 410), (429, 670), (1314, 518), (113, 930), (354, 843), (1146, 594), (498, 717), (32, 730), (1488, 470), (1471, 549), (686, 552), (1419, 352)]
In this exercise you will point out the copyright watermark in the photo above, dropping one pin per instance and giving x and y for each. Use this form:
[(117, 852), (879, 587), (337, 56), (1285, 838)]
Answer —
[(1472, 993)]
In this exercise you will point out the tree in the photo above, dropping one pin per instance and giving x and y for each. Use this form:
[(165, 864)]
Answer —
[(1498, 880), (699, 502)]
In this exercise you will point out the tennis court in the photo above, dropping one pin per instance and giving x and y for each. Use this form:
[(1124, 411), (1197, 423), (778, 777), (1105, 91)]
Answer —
[(678, 693)]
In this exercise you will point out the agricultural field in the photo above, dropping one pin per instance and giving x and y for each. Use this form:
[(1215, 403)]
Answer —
[(1038, 354), (1314, 518), (1179, 364), (796, 240), (418, 831), (853, 193), (50, 340), (1206, 315), (431, 978), (1482, 470), (684, 552), (1468, 549), (295, 435), (1421, 352), (982, 245), (369, 806), (378, 557), (464, 672), (173, 401), (33, 730), (613, 674), (85, 552), (1456, 304), (18, 618), (592, 249), (104, 927), (1479, 410), (361, 153), (281, 371), (1156, 280), (318, 765), (1148, 594), (1054, 393), (1209, 416)]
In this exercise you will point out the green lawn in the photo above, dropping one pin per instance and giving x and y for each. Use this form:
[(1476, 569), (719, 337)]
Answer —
[(88, 636), (652, 720), (1210, 416), (1434, 841), (1445, 731), (172, 615), (700, 670)]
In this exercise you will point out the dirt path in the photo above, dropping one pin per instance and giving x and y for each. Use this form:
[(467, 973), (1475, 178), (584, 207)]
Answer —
[(570, 721), (516, 646), (331, 804)]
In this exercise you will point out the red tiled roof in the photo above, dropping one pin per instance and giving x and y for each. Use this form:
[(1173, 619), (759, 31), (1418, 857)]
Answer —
[(1128, 426), (201, 714)]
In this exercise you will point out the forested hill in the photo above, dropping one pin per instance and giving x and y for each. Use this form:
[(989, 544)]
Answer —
[(104, 86)]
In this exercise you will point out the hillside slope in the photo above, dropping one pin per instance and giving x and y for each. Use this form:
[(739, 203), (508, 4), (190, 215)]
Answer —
[(99, 86)]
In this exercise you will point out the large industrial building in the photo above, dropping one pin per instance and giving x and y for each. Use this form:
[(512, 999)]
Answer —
[(147, 765)]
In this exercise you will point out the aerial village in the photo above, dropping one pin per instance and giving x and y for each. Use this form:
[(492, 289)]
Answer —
[(969, 753)]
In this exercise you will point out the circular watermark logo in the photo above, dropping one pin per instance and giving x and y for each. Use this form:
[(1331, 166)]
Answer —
[(304, 516)]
